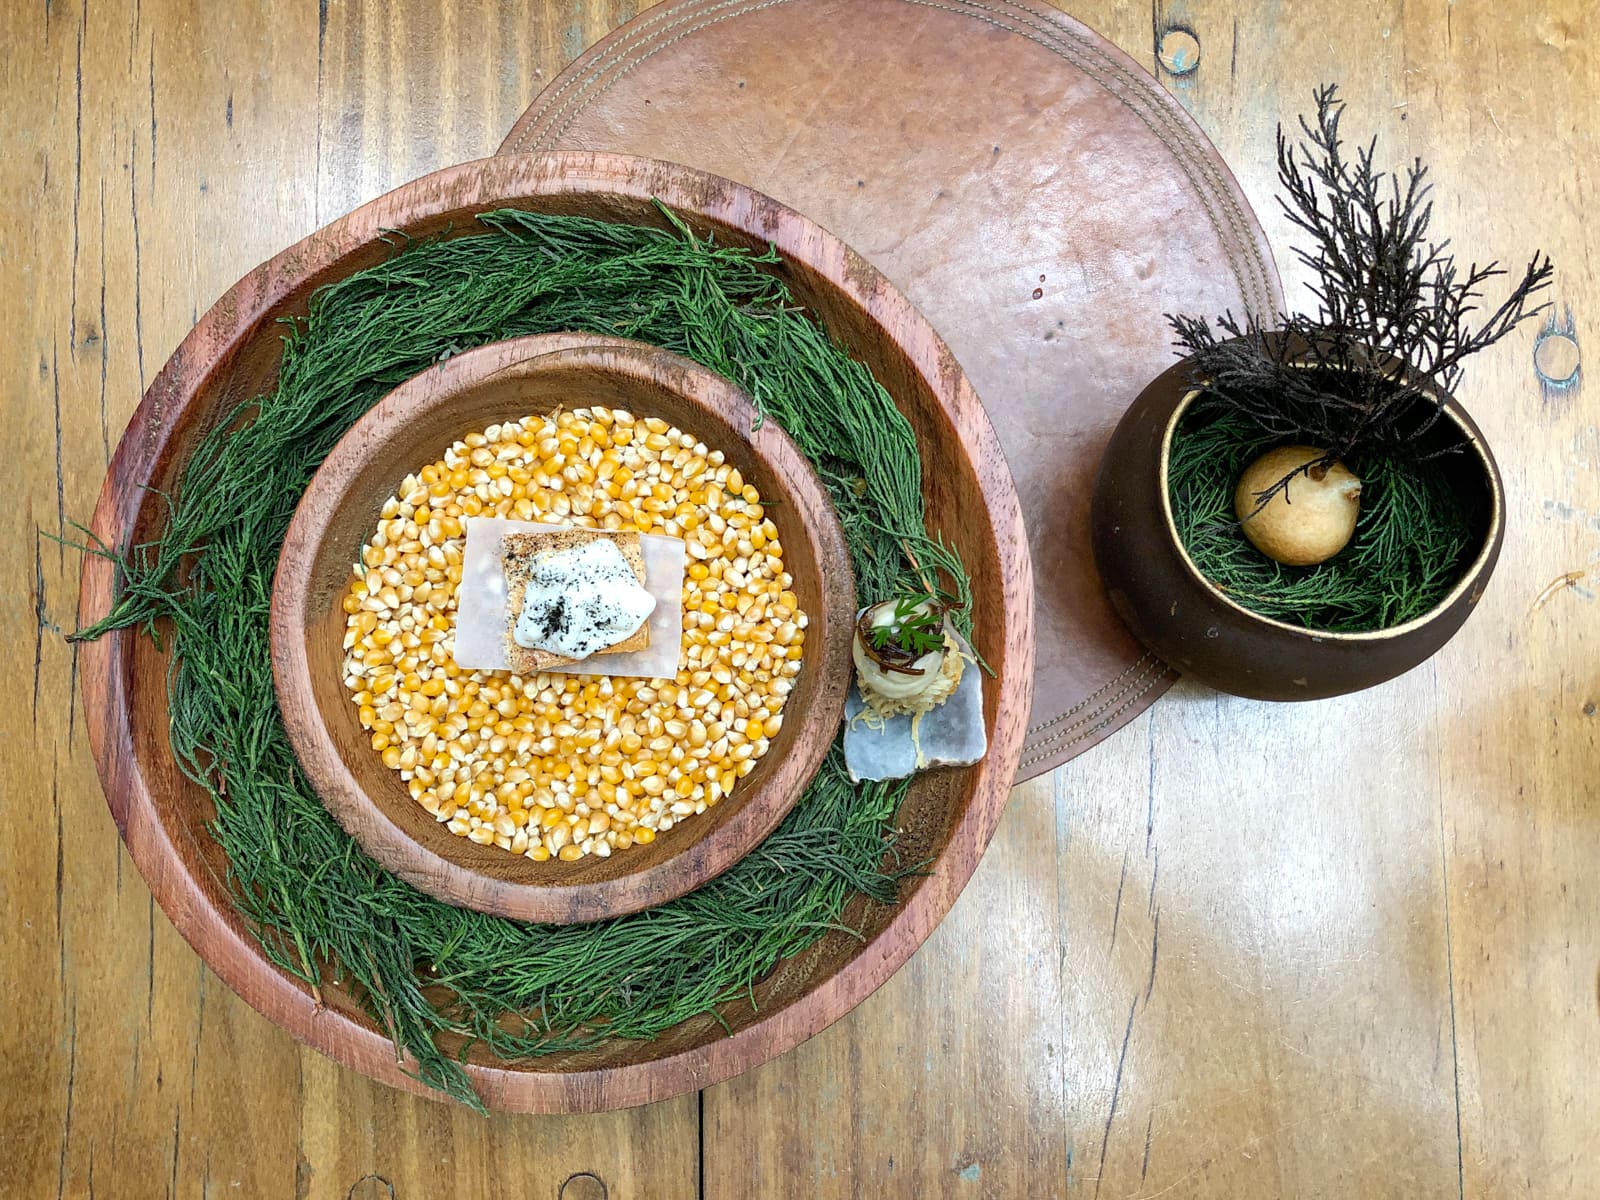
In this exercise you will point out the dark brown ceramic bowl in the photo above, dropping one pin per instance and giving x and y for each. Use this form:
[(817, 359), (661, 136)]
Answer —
[(415, 424), (1181, 616)]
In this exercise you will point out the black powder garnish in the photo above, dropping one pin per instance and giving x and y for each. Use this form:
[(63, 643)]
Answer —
[(579, 612)]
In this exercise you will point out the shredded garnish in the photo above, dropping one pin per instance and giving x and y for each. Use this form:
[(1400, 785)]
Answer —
[(940, 689)]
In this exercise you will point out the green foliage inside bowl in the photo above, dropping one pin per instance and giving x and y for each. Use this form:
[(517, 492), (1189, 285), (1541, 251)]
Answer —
[(1420, 523)]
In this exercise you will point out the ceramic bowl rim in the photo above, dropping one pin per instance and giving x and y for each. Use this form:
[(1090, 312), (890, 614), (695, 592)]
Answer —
[(1469, 575)]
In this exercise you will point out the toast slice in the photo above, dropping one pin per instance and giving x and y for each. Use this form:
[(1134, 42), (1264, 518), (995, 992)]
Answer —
[(516, 554)]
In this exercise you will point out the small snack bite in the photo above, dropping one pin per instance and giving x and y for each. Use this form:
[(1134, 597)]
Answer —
[(907, 660), (572, 594), (915, 705)]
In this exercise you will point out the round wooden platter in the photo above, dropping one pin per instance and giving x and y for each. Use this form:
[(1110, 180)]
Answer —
[(415, 424), (1027, 185), (948, 817)]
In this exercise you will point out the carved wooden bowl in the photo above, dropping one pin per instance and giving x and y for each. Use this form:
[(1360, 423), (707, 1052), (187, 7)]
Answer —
[(414, 425), (948, 817)]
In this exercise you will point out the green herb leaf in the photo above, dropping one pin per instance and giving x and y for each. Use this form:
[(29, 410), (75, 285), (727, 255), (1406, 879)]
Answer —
[(914, 629)]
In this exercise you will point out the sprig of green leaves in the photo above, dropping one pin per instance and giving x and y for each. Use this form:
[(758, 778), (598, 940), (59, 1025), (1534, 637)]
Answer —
[(916, 628)]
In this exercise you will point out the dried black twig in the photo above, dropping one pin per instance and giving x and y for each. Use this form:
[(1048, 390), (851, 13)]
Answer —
[(1371, 367)]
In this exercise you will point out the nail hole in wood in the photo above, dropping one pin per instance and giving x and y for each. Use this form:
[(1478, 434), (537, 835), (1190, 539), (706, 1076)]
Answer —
[(371, 1187), (583, 1186), (1179, 51), (1556, 359)]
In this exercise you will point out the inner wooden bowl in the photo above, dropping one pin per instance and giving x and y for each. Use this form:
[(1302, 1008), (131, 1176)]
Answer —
[(413, 426), (947, 817)]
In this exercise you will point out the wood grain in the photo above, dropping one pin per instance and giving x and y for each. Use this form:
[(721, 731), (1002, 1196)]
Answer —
[(1238, 951), (133, 1071), (415, 424)]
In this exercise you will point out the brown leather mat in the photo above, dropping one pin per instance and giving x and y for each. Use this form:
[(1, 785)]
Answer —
[(1027, 185)]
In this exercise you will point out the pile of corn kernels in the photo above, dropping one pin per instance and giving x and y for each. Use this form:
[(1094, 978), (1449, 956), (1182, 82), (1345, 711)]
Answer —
[(557, 764)]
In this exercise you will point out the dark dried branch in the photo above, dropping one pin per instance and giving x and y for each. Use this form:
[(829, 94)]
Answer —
[(1394, 317)]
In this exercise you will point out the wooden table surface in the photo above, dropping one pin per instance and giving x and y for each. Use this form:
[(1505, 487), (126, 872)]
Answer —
[(1345, 949)]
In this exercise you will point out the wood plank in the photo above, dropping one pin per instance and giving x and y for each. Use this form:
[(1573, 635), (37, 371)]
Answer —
[(140, 1044), (353, 1130), (171, 152), (409, 88), (1277, 977), (1504, 103), (948, 1081), (1284, 939)]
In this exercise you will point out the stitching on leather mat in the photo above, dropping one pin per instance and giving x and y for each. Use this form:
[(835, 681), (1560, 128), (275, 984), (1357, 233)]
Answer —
[(1092, 696), (619, 59), (639, 30), (1080, 49), (1190, 154), (667, 16), (1146, 679), (1059, 743)]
